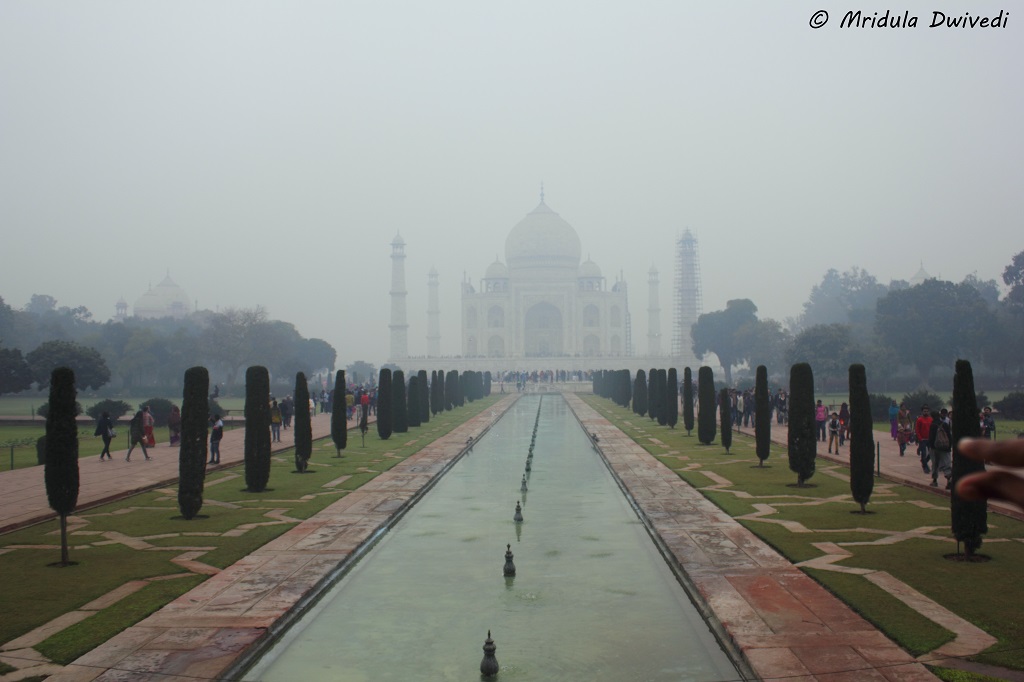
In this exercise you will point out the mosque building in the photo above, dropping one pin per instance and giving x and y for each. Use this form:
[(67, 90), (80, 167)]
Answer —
[(166, 299)]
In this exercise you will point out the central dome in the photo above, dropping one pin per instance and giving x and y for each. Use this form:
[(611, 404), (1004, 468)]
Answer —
[(543, 239)]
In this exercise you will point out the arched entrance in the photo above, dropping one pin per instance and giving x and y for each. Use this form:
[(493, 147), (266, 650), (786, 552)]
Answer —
[(542, 334)]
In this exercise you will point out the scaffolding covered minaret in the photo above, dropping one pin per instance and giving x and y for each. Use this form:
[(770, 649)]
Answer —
[(653, 314), (686, 295), (433, 317), (399, 326)]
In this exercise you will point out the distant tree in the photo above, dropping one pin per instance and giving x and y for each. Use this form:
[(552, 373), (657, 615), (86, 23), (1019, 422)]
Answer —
[(339, 414), (61, 471), (840, 297), (436, 399), (970, 519), (361, 372), (115, 408), (862, 440), (966, 320), (803, 444), (718, 332), (384, 427), (765, 342), (1013, 277), (303, 425), (257, 427), (87, 364), (424, 391), (451, 389), (687, 400), (652, 397), (15, 374), (672, 398), (413, 410), (829, 349), (762, 415), (487, 383), (399, 414), (706, 405), (195, 418), (726, 416), (640, 393), (660, 393)]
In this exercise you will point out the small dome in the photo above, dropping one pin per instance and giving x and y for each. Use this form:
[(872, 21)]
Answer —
[(543, 239), (166, 299), (496, 270), (398, 241), (589, 270)]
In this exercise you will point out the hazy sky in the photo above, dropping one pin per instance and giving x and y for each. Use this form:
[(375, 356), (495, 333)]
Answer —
[(266, 153)]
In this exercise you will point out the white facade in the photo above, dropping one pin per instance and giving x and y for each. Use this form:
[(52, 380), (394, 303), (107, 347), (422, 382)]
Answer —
[(544, 303)]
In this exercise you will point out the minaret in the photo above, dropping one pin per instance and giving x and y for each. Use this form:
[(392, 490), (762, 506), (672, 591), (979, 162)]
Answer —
[(687, 294), (433, 317), (399, 327), (653, 315)]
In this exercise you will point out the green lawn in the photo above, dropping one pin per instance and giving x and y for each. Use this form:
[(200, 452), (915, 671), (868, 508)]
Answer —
[(34, 592), (986, 594)]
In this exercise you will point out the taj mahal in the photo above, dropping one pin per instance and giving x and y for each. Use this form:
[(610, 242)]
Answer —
[(545, 307)]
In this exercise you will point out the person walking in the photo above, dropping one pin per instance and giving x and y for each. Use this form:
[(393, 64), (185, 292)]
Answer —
[(215, 436), (147, 426), (835, 427), (136, 435), (940, 442), (904, 428), (275, 421), (105, 430), (174, 426), (894, 413), (821, 420), (922, 428), (844, 423)]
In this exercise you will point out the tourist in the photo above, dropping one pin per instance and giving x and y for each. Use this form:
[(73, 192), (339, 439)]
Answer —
[(988, 424), (844, 423), (136, 435), (904, 428), (174, 426), (821, 420), (894, 413), (275, 421), (287, 411), (834, 428), (781, 407), (940, 444), (147, 426), (993, 485), (216, 434), (105, 430), (922, 427)]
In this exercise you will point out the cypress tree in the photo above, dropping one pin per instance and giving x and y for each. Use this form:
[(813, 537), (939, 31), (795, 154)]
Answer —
[(339, 414), (672, 398), (413, 410), (660, 384), (640, 393), (384, 404), (726, 416), (687, 400), (451, 381), (436, 394), (803, 445), (862, 440), (195, 420), (706, 405), (257, 427), (762, 416), (399, 414), (60, 473), (487, 383), (970, 519), (652, 398), (303, 424), (460, 389), (424, 396)]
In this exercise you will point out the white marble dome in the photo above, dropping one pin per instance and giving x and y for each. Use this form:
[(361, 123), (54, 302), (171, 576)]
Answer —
[(496, 270), (590, 270), (543, 239), (166, 299)]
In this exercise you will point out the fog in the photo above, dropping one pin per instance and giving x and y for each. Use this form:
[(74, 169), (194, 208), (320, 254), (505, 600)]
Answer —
[(266, 153)]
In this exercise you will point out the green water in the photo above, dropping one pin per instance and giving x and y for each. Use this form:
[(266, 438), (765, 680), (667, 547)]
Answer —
[(592, 598)]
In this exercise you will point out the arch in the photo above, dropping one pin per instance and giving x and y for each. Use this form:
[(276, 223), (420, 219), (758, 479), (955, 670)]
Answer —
[(496, 347), (591, 345), (496, 316), (615, 316), (591, 316), (471, 347), (616, 346), (542, 331), (471, 318)]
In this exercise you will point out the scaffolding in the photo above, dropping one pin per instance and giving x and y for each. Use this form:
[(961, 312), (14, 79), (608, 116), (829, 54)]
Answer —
[(686, 297)]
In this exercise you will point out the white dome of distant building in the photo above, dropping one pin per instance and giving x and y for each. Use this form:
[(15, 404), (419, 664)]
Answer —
[(496, 270), (166, 299), (920, 276), (589, 269), (543, 239)]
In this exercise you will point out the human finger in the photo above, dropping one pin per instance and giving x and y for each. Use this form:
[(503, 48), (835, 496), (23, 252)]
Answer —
[(994, 485), (1005, 452)]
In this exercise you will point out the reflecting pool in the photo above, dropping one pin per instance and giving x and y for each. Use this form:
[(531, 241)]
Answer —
[(592, 598)]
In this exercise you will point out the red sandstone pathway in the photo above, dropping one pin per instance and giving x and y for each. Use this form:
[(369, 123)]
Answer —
[(23, 491), (785, 624)]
